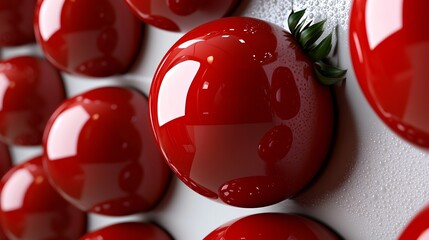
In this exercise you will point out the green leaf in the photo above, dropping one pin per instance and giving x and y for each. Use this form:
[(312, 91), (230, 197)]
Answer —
[(307, 34), (298, 31), (294, 19), (310, 35), (321, 50), (307, 26), (327, 74)]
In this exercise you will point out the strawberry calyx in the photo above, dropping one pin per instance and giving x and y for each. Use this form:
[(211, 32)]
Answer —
[(306, 33)]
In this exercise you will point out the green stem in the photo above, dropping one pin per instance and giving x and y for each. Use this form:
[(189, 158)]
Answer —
[(307, 35)]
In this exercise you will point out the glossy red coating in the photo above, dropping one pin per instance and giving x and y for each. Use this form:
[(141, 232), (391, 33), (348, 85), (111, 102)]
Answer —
[(269, 226), (390, 54), (130, 230), (418, 227), (101, 155), (30, 90), (238, 113), (32, 210), (94, 38), (16, 22), (5, 165), (5, 159), (180, 15)]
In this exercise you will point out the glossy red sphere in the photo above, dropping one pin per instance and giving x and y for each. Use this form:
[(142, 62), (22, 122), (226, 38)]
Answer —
[(180, 15), (418, 228), (238, 113), (130, 230), (30, 91), (32, 210), (16, 22), (101, 155), (390, 54), (94, 38), (269, 226)]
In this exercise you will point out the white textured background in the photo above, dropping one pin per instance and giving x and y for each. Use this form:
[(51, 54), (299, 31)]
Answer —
[(372, 185)]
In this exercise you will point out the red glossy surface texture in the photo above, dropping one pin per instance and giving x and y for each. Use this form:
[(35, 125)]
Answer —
[(94, 38), (32, 210), (390, 54), (5, 165), (132, 231), (239, 114), (269, 226), (3, 236), (418, 228), (30, 90), (5, 159), (16, 22), (101, 155), (180, 15)]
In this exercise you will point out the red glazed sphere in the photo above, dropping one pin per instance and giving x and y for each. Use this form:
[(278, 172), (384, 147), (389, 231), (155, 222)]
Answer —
[(30, 90), (32, 210), (390, 58), (418, 228), (132, 231), (101, 155), (180, 15), (94, 38), (16, 22), (238, 113), (269, 226)]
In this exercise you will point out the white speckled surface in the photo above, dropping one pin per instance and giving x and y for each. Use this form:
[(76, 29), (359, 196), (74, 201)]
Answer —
[(372, 185)]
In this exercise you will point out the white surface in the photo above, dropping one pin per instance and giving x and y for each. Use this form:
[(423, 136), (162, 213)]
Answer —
[(372, 185)]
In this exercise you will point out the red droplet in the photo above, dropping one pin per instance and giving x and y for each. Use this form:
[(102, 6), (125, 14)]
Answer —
[(30, 90), (32, 209), (390, 57), (101, 155), (94, 38)]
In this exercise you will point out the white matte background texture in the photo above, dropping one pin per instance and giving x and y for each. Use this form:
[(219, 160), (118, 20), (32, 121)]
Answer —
[(371, 186)]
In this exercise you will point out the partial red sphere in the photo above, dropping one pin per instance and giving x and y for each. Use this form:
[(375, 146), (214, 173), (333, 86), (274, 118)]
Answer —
[(101, 155), (32, 210), (130, 231), (180, 15), (269, 226), (390, 58), (238, 113), (16, 22), (30, 91), (96, 38), (418, 227)]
